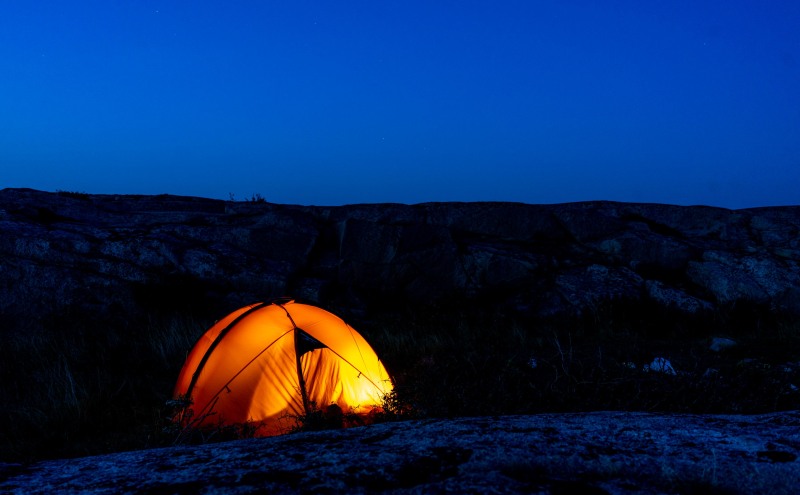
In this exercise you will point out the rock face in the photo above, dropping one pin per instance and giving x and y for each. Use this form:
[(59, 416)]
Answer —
[(602, 453), (113, 255)]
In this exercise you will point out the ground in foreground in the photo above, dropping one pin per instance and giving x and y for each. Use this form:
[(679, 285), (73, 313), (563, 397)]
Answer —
[(601, 452)]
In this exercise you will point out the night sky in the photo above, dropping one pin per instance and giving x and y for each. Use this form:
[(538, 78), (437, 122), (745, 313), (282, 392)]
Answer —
[(326, 103)]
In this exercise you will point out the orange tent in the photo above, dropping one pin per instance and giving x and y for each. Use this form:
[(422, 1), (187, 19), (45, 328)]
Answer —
[(271, 363)]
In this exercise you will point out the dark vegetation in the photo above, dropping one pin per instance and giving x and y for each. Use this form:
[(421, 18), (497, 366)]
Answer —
[(74, 194), (73, 385), (454, 363), (255, 198)]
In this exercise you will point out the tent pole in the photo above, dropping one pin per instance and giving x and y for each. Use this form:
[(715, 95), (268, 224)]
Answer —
[(303, 391), (215, 343)]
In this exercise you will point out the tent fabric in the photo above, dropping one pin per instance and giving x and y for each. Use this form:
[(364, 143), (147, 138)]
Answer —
[(248, 368)]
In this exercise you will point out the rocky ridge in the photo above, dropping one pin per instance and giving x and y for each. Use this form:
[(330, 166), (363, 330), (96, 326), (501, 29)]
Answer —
[(114, 253)]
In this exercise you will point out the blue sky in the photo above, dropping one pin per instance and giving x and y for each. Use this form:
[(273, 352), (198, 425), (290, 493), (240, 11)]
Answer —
[(326, 103)]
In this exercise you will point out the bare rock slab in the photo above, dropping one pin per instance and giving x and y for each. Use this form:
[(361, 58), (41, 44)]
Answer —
[(601, 452)]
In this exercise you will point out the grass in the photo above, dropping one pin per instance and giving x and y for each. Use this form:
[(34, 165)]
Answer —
[(82, 390), (73, 385), (451, 362)]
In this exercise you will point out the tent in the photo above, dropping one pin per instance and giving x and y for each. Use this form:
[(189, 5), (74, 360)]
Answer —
[(270, 363)]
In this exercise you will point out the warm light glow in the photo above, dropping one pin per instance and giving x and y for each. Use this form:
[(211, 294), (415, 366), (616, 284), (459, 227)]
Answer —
[(251, 374)]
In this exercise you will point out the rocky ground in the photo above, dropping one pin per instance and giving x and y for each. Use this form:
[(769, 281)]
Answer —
[(591, 453)]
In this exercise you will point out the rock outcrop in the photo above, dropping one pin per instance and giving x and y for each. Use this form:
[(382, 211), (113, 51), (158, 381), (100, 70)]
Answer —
[(112, 255), (602, 453)]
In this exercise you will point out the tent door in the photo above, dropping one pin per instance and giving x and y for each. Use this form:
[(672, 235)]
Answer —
[(303, 343)]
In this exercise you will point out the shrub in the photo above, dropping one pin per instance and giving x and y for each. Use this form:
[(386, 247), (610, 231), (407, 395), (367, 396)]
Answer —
[(74, 194)]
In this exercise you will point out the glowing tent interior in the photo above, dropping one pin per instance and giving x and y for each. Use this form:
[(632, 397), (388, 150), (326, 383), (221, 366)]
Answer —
[(270, 363)]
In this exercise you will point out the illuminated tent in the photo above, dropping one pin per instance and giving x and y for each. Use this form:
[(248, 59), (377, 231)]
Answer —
[(270, 363)]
